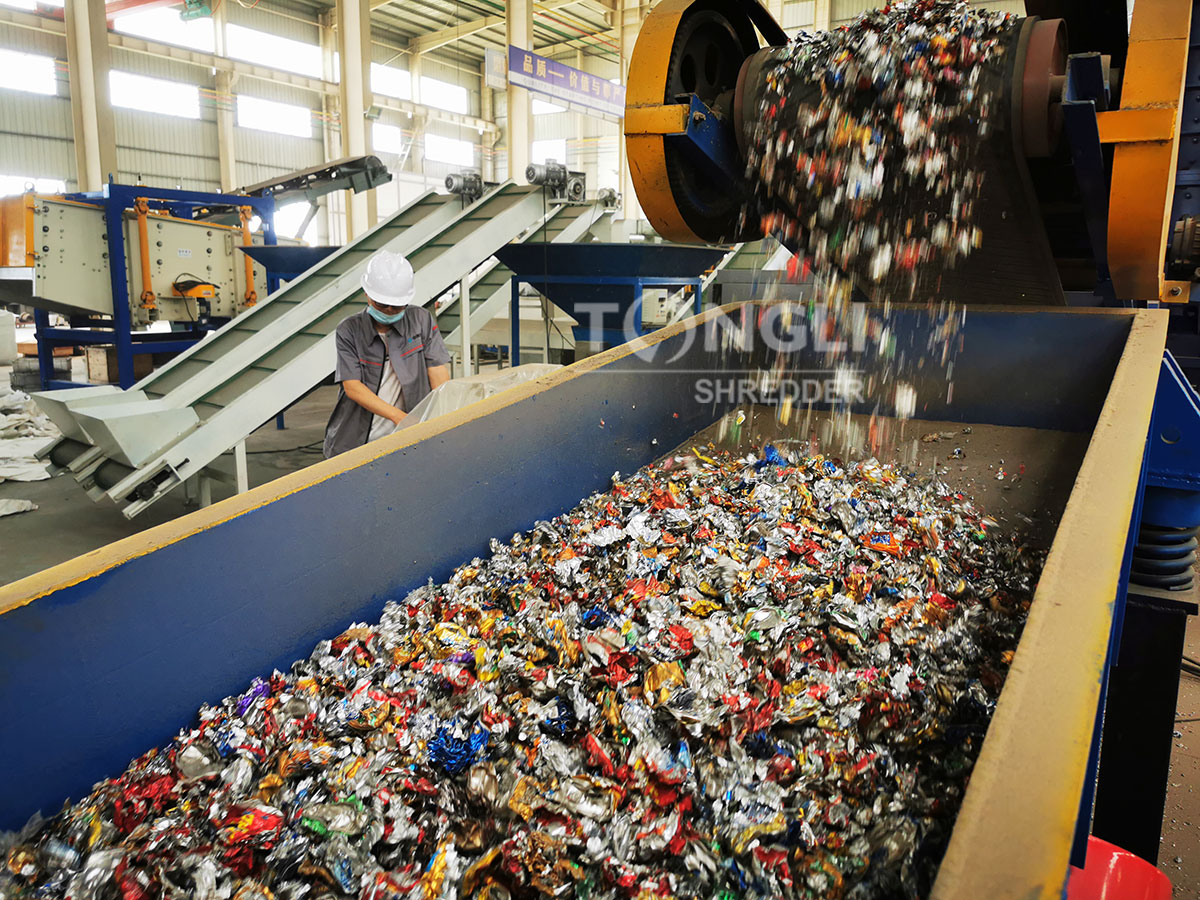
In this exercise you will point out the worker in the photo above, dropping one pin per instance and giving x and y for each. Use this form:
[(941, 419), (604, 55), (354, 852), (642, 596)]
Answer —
[(389, 356)]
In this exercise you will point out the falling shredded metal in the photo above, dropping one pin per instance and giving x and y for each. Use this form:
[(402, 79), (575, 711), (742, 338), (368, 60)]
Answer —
[(864, 153)]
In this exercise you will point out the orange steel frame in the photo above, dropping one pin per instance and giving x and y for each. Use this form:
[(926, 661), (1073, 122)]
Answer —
[(1145, 131)]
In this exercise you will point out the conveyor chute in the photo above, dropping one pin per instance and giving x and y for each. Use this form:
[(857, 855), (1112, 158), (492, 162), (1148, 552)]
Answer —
[(180, 418)]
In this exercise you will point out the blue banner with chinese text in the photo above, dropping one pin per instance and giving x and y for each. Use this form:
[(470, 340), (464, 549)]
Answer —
[(578, 90)]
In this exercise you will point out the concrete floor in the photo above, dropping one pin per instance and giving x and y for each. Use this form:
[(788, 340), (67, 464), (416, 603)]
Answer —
[(1179, 855), (68, 524)]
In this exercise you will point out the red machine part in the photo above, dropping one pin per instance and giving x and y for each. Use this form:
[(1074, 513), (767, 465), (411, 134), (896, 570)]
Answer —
[(1115, 874)]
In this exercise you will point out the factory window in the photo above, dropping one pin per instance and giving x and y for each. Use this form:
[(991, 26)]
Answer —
[(163, 24), (449, 150), (277, 118), (797, 15), (555, 149), (387, 138), (19, 184), (443, 95), (27, 72), (168, 98), (290, 217), (391, 81), (543, 108), (272, 50)]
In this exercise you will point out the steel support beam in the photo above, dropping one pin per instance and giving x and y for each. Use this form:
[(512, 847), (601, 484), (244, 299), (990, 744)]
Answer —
[(91, 111), (226, 146), (418, 123), (821, 15), (487, 143), (214, 62), (224, 84), (629, 20), (354, 41), (580, 43), (335, 203), (464, 325), (117, 7), (577, 119), (519, 31), (443, 36)]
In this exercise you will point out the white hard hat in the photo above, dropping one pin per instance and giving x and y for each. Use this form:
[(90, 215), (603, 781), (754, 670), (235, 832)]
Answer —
[(389, 279)]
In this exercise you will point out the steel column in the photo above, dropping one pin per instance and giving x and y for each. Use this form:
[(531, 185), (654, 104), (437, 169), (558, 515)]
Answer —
[(45, 349), (518, 21), (354, 42), (225, 100), (241, 474), (91, 110), (464, 319), (114, 213), (629, 22), (487, 143), (514, 350), (822, 15), (226, 146)]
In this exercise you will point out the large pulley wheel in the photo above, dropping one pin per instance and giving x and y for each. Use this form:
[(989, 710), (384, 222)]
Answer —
[(690, 48), (1042, 75)]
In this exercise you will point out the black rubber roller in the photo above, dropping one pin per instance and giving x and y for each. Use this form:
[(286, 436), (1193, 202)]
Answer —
[(110, 473), (65, 452)]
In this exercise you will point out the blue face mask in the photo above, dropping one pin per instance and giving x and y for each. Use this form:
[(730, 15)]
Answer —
[(383, 318)]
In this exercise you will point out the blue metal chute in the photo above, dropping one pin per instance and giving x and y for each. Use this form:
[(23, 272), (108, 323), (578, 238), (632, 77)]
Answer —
[(287, 262), (582, 280)]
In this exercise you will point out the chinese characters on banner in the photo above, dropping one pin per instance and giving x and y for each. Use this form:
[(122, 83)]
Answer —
[(577, 89), (495, 69)]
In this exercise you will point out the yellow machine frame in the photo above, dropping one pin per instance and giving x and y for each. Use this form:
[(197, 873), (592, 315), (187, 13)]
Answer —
[(647, 119), (1146, 133)]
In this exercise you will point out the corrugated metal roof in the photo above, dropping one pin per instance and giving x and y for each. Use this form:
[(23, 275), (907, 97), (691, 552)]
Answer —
[(581, 24)]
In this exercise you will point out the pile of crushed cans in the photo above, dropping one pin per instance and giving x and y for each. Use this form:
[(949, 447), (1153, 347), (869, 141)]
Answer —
[(728, 676), (865, 153)]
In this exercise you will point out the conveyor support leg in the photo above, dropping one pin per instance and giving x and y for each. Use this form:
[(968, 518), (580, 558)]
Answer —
[(514, 351), (239, 467)]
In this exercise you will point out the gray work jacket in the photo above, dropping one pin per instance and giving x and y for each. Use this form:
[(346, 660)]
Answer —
[(413, 345)]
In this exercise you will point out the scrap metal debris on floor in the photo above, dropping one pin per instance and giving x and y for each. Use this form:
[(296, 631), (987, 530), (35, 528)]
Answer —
[(764, 675)]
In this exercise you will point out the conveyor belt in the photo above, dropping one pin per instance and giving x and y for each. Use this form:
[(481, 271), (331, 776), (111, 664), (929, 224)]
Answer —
[(175, 422), (491, 288), (740, 274), (192, 373)]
